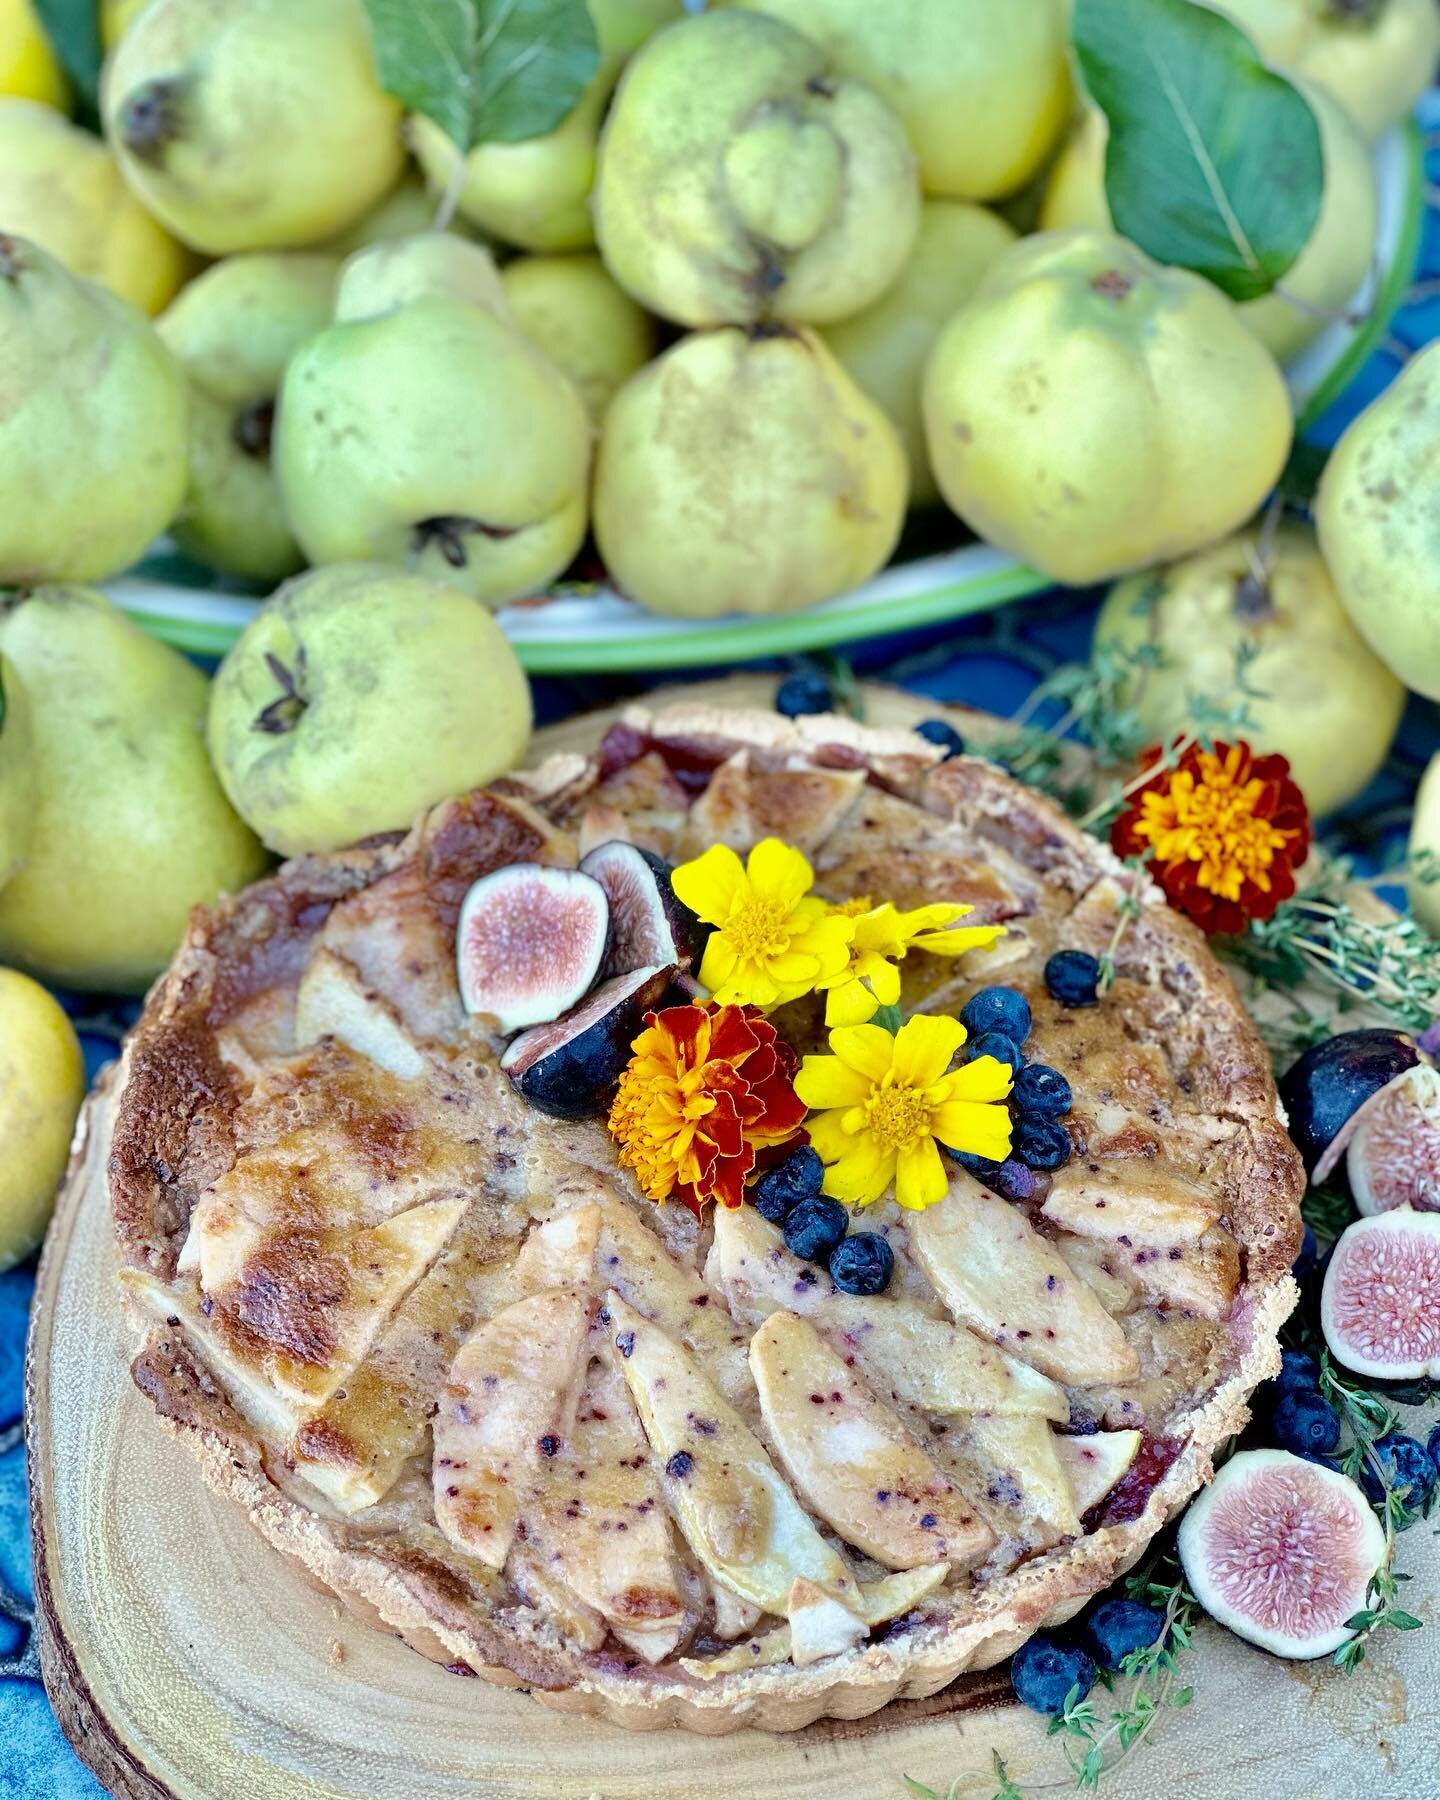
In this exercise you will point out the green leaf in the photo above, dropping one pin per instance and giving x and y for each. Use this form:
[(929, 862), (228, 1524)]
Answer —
[(486, 71), (887, 1018), (73, 28), (1403, 1621), (1214, 162)]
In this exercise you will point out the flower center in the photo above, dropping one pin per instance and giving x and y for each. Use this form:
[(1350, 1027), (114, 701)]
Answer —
[(1215, 824), (756, 928), (898, 1116)]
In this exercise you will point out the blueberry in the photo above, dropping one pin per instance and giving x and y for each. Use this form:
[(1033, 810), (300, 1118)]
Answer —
[(862, 1264), (1115, 1628), (1432, 1444), (1072, 977), (994, 1043), (787, 1184), (1299, 1374), (1043, 1672), (1010, 1179), (814, 1228), (1410, 1465), (997, 1009), (1304, 1423), (1042, 1143), (1041, 1092), (937, 731), (1309, 1255), (799, 694)]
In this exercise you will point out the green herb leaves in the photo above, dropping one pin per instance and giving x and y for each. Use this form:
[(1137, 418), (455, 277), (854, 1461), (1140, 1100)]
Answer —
[(73, 27), (486, 71), (1214, 162)]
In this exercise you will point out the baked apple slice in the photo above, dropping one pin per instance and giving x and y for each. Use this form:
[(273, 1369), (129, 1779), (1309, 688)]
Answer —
[(1025, 1485), (1095, 1463), (1136, 1199), (852, 1461), (737, 1514), (508, 1405), (333, 1001), (909, 1355), (604, 1526), (559, 1253), (996, 1273)]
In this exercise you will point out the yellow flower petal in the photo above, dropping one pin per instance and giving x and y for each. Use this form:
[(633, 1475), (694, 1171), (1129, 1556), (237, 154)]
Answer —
[(987, 1078), (862, 1174), (710, 884), (868, 1049), (920, 1176), (850, 1003), (779, 872), (825, 1081), (983, 1130), (884, 978), (924, 1048), (958, 939), (718, 963), (828, 1137)]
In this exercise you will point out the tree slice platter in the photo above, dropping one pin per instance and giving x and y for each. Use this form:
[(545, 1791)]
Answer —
[(186, 1659)]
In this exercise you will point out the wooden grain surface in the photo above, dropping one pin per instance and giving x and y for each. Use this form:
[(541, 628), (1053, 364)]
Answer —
[(185, 1658)]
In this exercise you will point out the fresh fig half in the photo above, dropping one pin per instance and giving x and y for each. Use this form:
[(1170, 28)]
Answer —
[(648, 925), (1324, 1091), (569, 1068), (529, 942), (1380, 1305), (1393, 1158), (1281, 1551)]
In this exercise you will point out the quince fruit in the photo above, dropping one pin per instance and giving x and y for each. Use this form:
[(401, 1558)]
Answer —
[(42, 1082), (1321, 696), (1093, 412), (885, 348), (92, 425), (422, 428), (256, 125), (130, 828), (590, 328), (1376, 515), (359, 696), (60, 187), (1375, 56), (744, 471), (743, 177), (234, 329), (982, 89), (29, 68)]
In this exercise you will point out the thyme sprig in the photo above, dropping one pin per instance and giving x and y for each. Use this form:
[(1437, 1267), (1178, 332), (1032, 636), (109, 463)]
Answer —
[(1320, 938), (1095, 1742), (1367, 1418)]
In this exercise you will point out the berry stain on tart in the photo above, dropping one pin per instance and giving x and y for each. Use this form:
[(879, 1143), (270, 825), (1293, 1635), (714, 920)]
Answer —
[(725, 1228)]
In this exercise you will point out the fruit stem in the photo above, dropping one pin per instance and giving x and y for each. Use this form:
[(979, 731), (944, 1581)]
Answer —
[(284, 714), (150, 119)]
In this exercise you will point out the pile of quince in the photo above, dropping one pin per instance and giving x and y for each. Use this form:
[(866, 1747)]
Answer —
[(759, 292)]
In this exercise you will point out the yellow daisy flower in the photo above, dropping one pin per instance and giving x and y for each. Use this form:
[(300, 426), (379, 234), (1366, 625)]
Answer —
[(771, 941), (882, 1103), (883, 937)]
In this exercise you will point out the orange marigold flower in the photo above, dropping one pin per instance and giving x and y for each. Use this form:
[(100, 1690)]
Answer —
[(1224, 831), (706, 1090)]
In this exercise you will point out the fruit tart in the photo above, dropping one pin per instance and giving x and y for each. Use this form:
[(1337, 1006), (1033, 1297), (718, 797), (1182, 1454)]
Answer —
[(726, 1230)]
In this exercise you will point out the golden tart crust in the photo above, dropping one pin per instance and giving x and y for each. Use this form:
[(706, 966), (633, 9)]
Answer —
[(316, 1218)]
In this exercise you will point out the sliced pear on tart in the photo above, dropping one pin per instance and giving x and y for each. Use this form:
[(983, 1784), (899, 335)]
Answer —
[(509, 1403), (910, 1355), (736, 1512), (996, 1273), (852, 1461), (1131, 1199), (332, 1001), (603, 1523), (1025, 1490), (559, 1253), (1095, 1463)]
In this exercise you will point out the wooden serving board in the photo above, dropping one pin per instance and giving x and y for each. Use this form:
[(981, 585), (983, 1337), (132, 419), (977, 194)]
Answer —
[(185, 1658)]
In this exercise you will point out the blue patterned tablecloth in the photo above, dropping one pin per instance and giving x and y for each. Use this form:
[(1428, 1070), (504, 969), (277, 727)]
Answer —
[(992, 661)]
